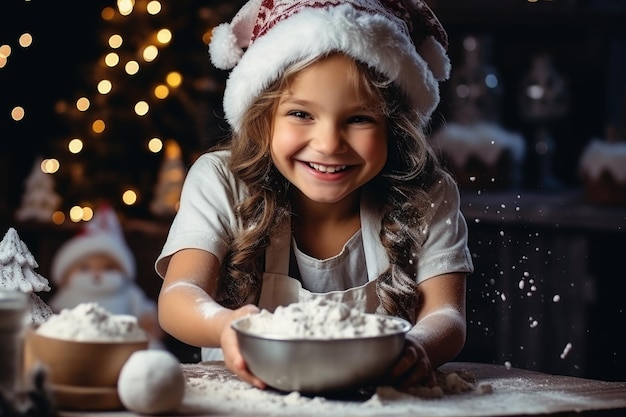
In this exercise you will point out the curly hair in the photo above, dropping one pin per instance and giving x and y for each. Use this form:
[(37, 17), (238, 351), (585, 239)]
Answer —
[(411, 169)]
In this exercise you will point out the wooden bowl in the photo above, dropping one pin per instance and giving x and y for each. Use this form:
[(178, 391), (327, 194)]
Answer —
[(79, 363), (86, 398)]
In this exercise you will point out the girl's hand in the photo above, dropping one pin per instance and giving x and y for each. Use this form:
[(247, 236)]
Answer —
[(230, 346), (412, 369)]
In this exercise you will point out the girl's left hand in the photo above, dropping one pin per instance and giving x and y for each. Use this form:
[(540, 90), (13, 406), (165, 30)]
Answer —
[(412, 369), (233, 359)]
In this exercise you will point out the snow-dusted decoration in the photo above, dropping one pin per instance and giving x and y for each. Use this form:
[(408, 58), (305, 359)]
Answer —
[(480, 152), (602, 167), (484, 141), (39, 201), (170, 182), (482, 155), (17, 272), (604, 156)]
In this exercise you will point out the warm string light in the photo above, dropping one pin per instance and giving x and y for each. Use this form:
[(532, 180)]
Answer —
[(80, 213), (25, 40), (49, 166), (155, 145), (18, 113), (5, 52), (125, 7)]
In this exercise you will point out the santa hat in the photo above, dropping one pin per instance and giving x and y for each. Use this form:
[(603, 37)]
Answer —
[(102, 234), (402, 39)]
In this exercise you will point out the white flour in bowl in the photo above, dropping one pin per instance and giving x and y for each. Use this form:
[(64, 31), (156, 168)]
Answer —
[(321, 319), (89, 322)]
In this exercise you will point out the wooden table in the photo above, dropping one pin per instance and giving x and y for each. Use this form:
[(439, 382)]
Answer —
[(214, 391)]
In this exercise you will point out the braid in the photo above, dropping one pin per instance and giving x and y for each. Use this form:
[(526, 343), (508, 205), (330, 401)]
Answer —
[(397, 287), (411, 169)]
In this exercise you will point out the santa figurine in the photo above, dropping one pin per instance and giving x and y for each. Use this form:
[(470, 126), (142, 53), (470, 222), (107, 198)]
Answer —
[(97, 266)]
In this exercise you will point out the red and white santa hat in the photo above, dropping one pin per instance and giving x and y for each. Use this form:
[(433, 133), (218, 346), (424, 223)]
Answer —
[(102, 234), (402, 39)]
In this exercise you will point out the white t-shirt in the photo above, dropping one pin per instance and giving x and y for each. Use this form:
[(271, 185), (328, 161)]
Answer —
[(206, 220)]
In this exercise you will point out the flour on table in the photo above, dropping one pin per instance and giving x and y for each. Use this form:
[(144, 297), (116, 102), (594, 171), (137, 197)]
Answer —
[(222, 393), (452, 383), (321, 319), (90, 322)]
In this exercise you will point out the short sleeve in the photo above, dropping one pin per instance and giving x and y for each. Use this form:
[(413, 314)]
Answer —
[(445, 248), (205, 219)]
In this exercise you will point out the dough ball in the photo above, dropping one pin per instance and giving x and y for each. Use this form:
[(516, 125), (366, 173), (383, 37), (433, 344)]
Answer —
[(151, 382)]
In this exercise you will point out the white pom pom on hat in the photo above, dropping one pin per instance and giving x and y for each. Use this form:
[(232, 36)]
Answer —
[(228, 40), (102, 234), (401, 39), (225, 53)]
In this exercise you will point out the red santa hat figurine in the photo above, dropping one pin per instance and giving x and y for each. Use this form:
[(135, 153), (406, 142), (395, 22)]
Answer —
[(102, 234)]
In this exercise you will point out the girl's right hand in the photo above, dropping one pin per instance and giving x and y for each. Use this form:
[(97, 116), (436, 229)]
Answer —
[(230, 346)]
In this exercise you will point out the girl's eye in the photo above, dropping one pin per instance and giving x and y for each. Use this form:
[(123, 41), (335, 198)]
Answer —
[(360, 119), (299, 114)]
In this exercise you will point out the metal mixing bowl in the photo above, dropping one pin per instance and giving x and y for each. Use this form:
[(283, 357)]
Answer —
[(317, 366)]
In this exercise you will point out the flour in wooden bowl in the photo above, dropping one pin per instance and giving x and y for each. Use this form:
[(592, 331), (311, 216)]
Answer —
[(91, 322), (84, 347)]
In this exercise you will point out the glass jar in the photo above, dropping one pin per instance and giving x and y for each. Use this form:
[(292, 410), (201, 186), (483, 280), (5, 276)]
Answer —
[(14, 306)]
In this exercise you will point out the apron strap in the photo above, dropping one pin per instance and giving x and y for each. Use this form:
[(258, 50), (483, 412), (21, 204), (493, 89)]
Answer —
[(375, 255), (277, 253)]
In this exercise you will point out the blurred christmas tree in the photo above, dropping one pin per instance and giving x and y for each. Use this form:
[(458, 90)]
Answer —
[(170, 182), (39, 201), (152, 83)]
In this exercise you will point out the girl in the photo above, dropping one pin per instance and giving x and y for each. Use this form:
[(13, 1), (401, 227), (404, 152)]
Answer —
[(327, 186)]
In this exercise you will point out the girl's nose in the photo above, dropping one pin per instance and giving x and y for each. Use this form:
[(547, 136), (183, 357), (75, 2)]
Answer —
[(329, 139)]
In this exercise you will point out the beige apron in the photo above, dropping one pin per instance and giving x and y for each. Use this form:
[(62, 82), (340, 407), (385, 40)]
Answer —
[(280, 289)]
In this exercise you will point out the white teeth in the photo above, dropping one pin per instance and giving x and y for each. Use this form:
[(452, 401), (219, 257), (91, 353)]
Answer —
[(327, 169)]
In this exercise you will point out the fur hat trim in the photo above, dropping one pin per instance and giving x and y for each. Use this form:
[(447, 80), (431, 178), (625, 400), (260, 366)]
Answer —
[(375, 39)]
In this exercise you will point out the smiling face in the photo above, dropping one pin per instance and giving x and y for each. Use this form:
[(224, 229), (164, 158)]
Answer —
[(328, 140)]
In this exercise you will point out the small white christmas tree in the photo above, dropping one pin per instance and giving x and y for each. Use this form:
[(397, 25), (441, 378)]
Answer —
[(170, 182), (39, 201), (17, 272)]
